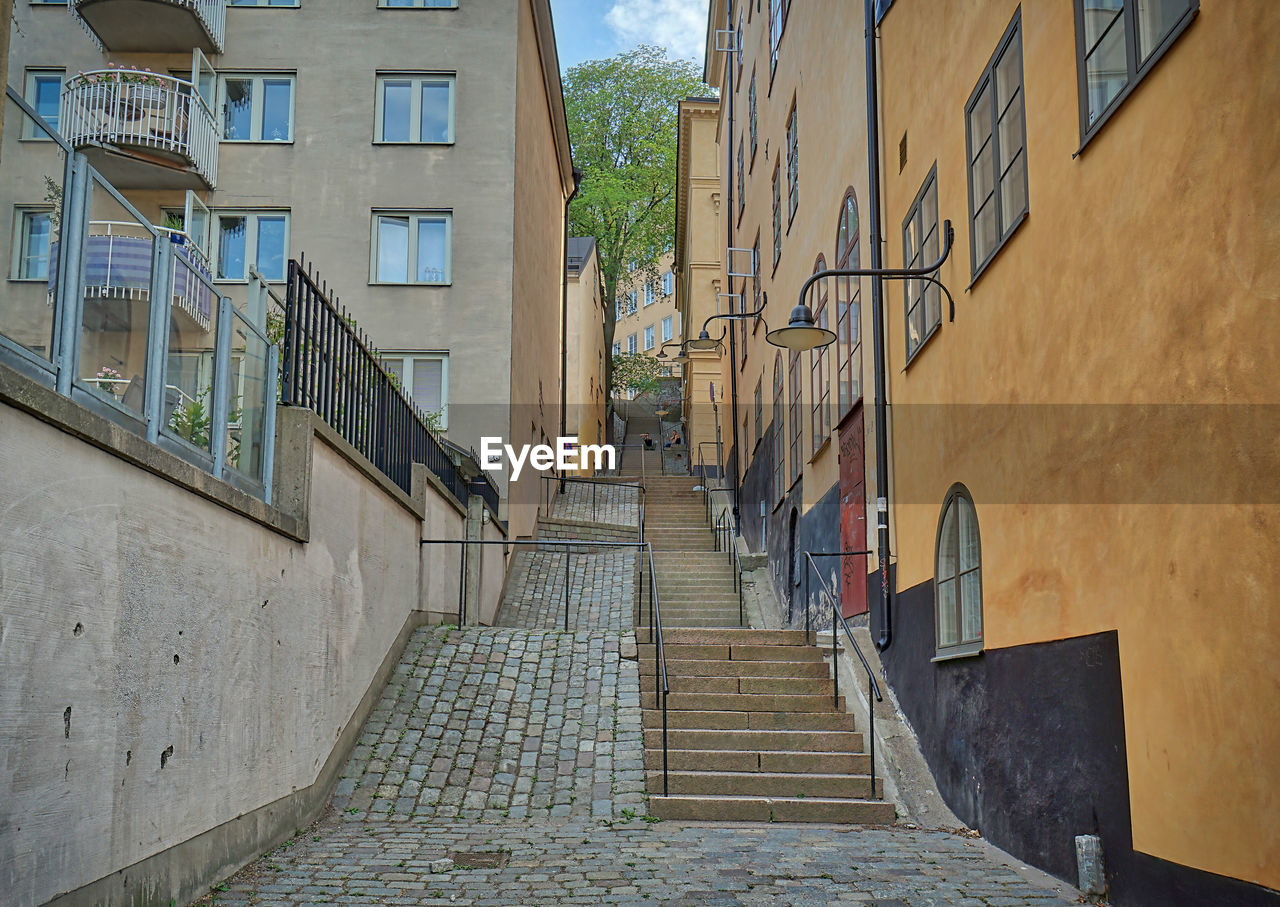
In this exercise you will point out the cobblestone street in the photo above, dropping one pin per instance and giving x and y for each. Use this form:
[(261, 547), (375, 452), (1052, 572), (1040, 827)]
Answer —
[(601, 590), (504, 767)]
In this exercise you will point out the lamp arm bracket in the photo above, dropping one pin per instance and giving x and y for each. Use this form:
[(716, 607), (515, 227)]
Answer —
[(926, 272)]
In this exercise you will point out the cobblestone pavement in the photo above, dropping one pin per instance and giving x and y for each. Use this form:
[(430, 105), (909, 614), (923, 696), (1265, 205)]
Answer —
[(598, 502), (501, 723), (601, 590)]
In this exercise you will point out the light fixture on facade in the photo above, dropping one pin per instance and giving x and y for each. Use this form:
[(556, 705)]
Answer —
[(801, 332), (704, 341)]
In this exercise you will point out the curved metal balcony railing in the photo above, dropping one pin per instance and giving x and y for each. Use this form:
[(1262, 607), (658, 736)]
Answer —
[(173, 25), (142, 110)]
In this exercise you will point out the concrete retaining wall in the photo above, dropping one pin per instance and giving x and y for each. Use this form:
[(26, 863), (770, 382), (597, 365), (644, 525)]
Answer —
[(574, 529), (182, 677)]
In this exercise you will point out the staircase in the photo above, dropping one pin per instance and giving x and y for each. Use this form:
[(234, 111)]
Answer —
[(753, 733)]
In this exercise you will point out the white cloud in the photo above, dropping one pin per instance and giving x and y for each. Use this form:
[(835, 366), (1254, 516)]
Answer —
[(678, 25)]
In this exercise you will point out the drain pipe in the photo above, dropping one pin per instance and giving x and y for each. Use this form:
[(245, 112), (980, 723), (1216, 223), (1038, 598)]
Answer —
[(564, 318), (733, 350), (877, 330)]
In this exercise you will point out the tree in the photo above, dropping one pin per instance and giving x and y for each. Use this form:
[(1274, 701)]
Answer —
[(622, 115), (637, 372)]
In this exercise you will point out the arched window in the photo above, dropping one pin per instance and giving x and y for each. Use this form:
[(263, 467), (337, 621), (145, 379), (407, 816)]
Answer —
[(779, 451), (819, 378), (794, 422), (848, 307), (958, 576)]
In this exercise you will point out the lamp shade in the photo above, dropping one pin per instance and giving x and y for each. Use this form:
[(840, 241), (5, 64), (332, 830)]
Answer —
[(703, 342), (801, 333)]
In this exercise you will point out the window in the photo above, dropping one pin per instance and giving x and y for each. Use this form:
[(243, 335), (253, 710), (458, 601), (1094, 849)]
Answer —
[(742, 179), (777, 21), (648, 337), (819, 380), (424, 377), (958, 577), (668, 283), (848, 306), (617, 349), (739, 44), (996, 144), (293, 3), (759, 408), (412, 247), (415, 109), (1117, 43), (631, 344), (793, 164), (751, 116), (32, 231), (44, 93), (794, 422), (777, 213), (629, 307), (418, 4), (257, 107), (779, 451), (250, 238), (650, 292), (920, 247), (667, 332)]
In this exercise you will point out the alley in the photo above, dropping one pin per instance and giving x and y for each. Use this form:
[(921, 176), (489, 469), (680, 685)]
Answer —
[(504, 766)]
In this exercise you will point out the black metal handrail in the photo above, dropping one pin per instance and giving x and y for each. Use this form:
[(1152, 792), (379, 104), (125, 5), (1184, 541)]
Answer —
[(655, 603), (873, 688), (331, 368), (566, 480), (483, 486), (662, 460)]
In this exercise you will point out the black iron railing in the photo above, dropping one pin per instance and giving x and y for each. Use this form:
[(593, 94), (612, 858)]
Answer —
[(330, 367), (483, 486), (837, 618), (724, 541)]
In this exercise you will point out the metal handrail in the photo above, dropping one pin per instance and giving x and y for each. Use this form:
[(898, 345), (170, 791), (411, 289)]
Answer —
[(873, 688), (563, 480), (737, 581), (655, 603)]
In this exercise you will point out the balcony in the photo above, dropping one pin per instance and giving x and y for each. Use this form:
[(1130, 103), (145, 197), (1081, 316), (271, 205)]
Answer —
[(141, 130), (154, 26)]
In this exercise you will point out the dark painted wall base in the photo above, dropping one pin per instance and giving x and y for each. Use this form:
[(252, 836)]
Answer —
[(1027, 745), (186, 871)]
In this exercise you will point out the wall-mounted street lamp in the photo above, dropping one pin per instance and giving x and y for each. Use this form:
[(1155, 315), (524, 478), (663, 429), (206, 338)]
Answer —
[(801, 332)]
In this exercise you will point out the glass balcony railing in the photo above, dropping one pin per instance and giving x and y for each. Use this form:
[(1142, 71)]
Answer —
[(158, 116), (154, 26)]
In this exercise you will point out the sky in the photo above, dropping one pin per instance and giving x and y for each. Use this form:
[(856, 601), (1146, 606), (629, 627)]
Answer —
[(594, 29)]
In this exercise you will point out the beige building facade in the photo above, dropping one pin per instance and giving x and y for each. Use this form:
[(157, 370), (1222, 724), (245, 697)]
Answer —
[(585, 366), (647, 314), (423, 172)]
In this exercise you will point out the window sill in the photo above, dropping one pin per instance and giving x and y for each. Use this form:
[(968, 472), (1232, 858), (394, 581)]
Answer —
[(413, 144), (912, 357), (244, 281), (822, 448), (38, 280), (973, 650), (255, 141), (1022, 218), (388, 283)]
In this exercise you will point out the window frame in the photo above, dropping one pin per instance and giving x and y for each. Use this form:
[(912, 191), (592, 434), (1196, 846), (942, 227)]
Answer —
[(795, 424), (22, 214), (987, 85), (416, 78), (252, 217), (793, 164), (819, 370), (848, 257), (777, 25), (777, 212), (759, 411), (633, 344), (255, 105), (930, 181), (406, 384), (649, 335), (779, 428), (419, 4), (753, 122), (742, 177), (30, 131), (1135, 70), (414, 216), (668, 329), (962, 648)]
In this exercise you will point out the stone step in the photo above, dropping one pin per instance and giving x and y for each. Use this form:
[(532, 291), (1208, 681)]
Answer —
[(688, 719), (761, 784), (772, 809), (843, 741), (727, 620), (706, 667), (699, 683), (738, 653), (744, 702), (711, 760), (743, 636)]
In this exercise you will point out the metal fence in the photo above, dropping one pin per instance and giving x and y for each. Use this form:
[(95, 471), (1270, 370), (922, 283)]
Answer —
[(331, 368)]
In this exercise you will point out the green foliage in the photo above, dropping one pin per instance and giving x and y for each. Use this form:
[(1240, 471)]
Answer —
[(622, 115), (192, 421), (636, 372)]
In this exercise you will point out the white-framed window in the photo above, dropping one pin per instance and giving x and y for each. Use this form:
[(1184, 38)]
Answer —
[(630, 308), (632, 345), (666, 329), (617, 348), (244, 238), (958, 576), (43, 91), (278, 3), (415, 108), (412, 247), (648, 338), (257, 107), (32, 229), (418, 4), (424, 376), (668, 283), (650, 293)]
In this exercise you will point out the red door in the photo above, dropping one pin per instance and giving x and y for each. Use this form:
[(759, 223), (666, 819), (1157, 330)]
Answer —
[(853, 515)]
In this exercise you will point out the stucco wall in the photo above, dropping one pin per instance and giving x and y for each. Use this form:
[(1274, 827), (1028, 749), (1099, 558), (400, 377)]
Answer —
[(585, 348), (171, 666), (1091, 393)]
